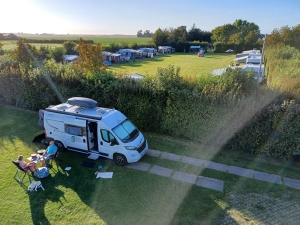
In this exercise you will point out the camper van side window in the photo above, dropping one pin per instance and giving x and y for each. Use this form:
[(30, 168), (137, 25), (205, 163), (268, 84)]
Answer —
[(78, 131), (107, 136)]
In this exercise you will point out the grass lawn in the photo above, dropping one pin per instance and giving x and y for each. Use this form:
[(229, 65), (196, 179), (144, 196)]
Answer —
[(190, 64), (137, 197)]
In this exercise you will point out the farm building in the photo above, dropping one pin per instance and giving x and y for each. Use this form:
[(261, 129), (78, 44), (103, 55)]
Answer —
[(8, 36)]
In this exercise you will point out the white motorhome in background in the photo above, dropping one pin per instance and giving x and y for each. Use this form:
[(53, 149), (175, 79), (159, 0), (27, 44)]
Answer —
[(79, 125)]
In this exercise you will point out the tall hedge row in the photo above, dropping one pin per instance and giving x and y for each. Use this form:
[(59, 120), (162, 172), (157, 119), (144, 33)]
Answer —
[(275, 130), (222, 47)]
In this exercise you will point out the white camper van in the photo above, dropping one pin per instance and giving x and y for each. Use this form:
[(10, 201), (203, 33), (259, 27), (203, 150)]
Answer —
[(79, 125)]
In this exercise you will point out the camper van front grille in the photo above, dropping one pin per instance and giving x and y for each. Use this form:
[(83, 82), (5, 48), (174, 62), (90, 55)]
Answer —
[(142, 147)]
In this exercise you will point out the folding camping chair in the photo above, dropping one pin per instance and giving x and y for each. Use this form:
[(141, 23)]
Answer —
[(54, 157), (19, 172)]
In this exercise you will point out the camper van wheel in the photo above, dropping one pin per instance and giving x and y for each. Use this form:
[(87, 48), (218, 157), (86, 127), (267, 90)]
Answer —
[(120, 160), (60, 146)]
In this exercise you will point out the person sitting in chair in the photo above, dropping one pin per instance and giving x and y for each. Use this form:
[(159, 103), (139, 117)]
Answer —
[(49, 153), (25, 165)]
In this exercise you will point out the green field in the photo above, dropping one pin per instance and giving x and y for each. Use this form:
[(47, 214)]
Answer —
[(10, 45), (190, 64), (104, 40)]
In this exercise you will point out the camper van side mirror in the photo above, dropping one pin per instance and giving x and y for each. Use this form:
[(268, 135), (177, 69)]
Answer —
[(113, 142)]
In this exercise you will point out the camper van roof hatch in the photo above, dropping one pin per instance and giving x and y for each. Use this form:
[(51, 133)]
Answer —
[(102, 110)]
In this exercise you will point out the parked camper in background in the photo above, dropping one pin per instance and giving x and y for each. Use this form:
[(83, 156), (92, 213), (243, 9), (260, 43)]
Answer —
[(70, 58), (150, 51), (79, 125), (165, 49), (127, 52), (253, 60), (196, 49)]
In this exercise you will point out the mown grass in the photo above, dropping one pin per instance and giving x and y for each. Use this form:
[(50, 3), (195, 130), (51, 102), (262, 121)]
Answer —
[(131, 196), (190, 64)]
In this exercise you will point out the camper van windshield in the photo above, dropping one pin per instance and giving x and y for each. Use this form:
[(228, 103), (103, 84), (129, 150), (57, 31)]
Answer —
[(126, 131)]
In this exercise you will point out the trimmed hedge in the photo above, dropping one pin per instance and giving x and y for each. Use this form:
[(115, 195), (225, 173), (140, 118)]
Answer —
[(221, 47)]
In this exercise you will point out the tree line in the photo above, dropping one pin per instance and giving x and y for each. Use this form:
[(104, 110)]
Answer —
[(240, 32)]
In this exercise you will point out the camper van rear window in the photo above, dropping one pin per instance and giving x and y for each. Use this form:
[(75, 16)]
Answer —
[(126, 131)]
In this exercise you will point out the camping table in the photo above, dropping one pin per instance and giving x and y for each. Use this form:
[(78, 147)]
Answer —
[(38, 158)]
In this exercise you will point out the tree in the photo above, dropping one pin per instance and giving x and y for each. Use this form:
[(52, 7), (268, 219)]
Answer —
[(251, 38), (43, 52), (147, 33), (57, 54), (236, 33), (1, 45), (90, 57), (223, 33), (244, 27), (140, 33), (160, 37), (285, 36), (24, 52), (70, 47), (194, 33), (179, 33)]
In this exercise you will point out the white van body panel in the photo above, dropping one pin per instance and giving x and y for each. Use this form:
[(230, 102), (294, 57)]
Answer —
[(90, 130)]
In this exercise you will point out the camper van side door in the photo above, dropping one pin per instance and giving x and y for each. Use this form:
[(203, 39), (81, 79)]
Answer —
[(108, 144)]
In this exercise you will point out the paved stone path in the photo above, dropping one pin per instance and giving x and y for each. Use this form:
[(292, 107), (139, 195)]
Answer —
[(205, 181)]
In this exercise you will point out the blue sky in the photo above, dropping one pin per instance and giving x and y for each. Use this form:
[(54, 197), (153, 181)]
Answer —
[(128, 16)]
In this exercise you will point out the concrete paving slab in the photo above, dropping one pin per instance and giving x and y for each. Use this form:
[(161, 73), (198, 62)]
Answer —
[(154, 153), (267, 177), (139, 166), (193, 161), (186, 177), (291, 182), (210, 183), (240, 171), (170, 156), (215, 166), (161, 171)]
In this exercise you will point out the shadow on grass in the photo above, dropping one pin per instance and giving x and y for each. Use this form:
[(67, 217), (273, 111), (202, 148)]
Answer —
[(39, 199)]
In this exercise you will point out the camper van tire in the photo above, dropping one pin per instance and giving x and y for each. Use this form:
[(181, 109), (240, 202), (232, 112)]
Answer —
[(120, 159), (60, 146)]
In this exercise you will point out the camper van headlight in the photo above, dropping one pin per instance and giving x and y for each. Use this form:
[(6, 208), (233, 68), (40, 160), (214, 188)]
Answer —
[(130, 147)]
